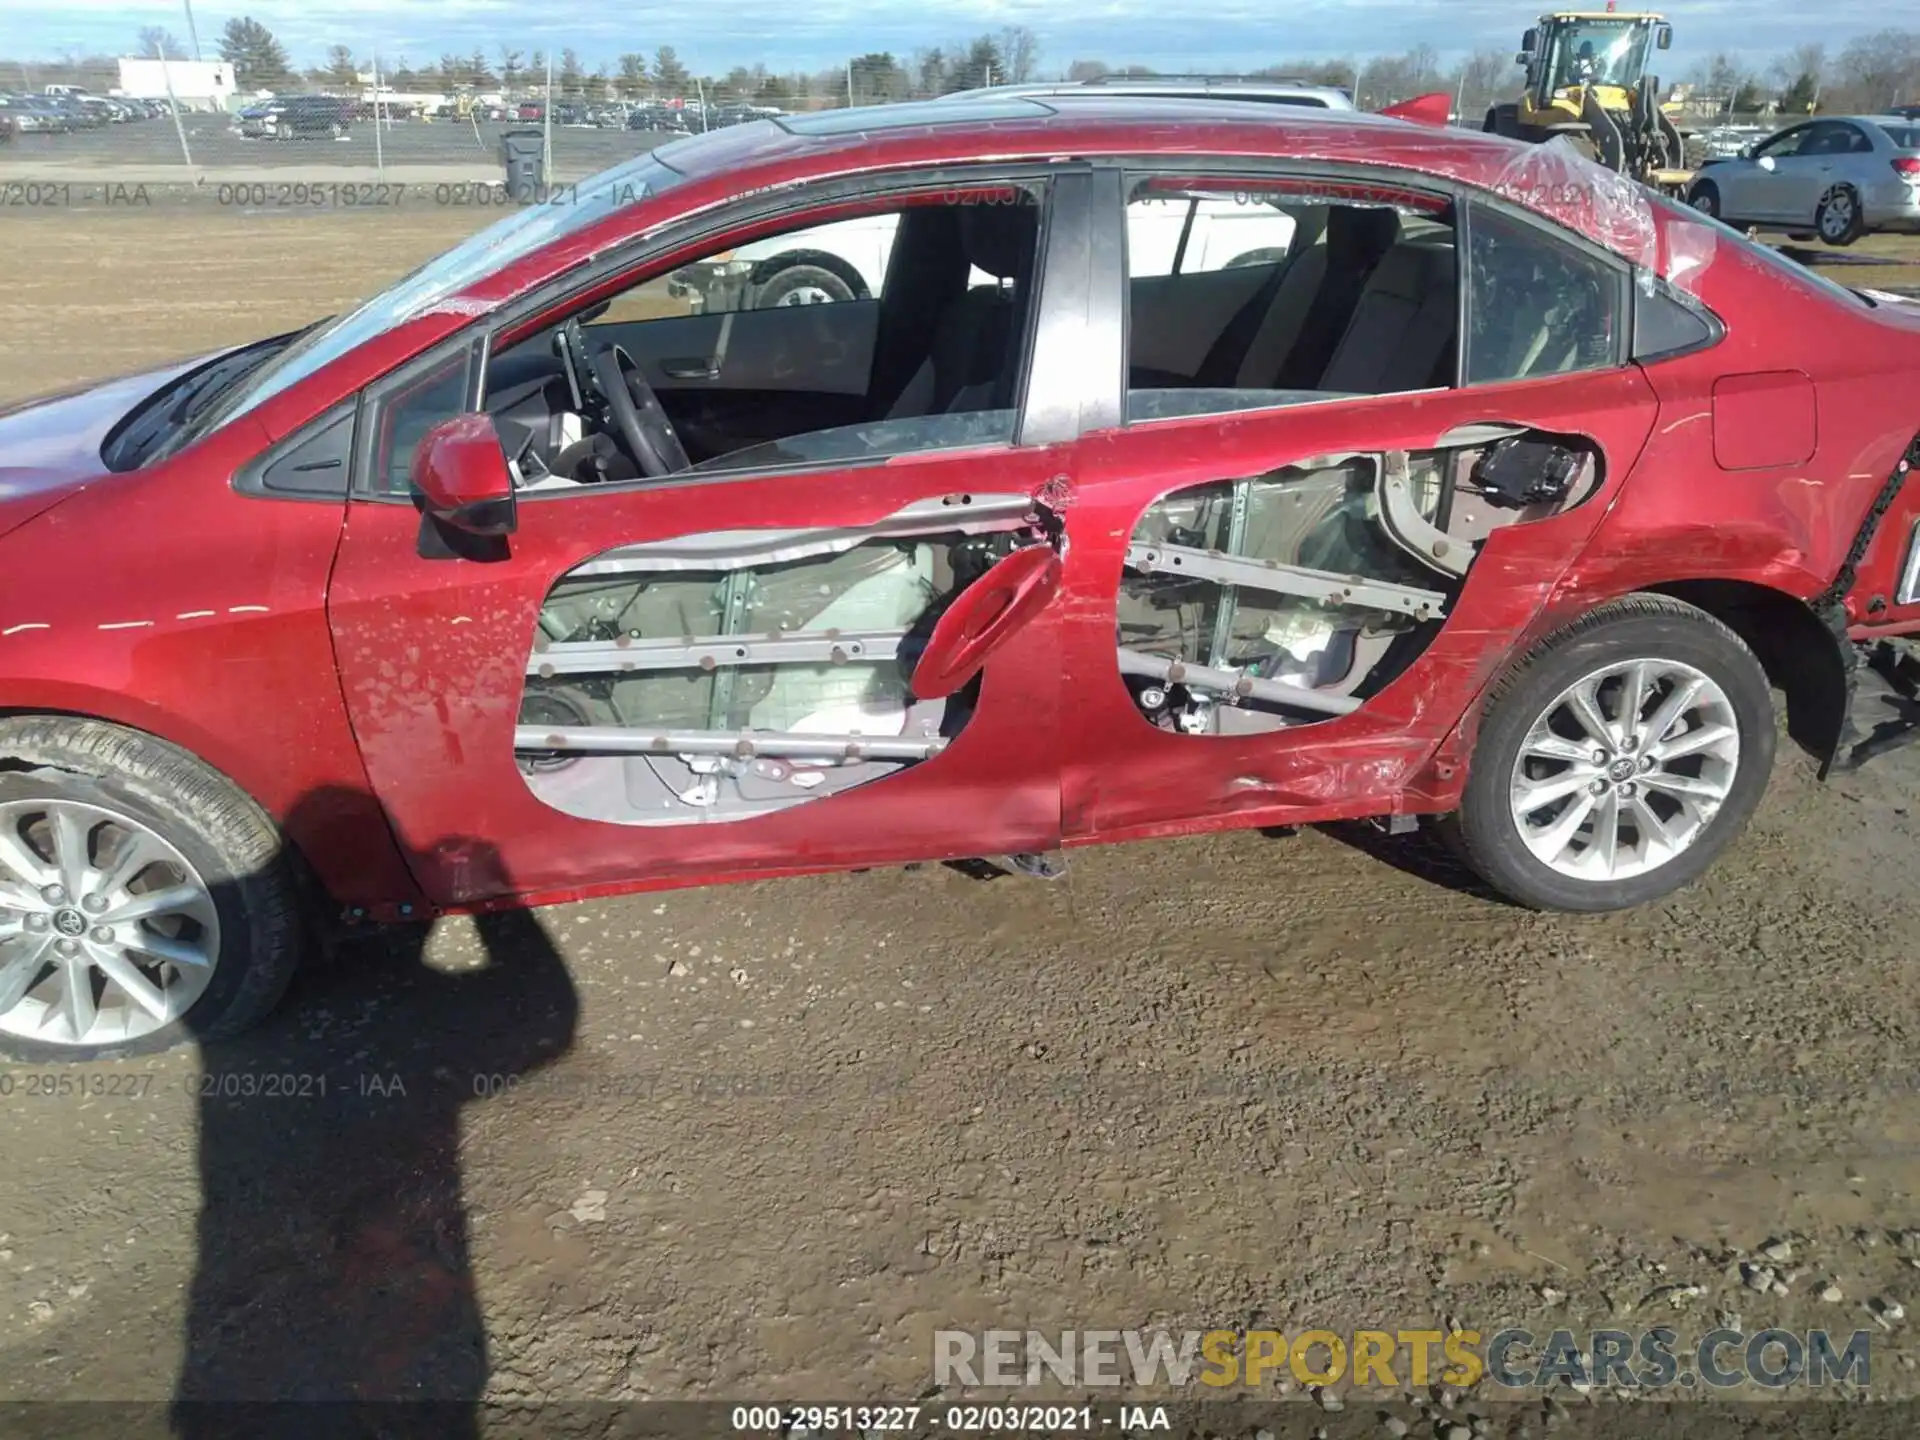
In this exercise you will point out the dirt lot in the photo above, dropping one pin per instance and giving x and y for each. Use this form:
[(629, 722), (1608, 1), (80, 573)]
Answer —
[(764, 1140)]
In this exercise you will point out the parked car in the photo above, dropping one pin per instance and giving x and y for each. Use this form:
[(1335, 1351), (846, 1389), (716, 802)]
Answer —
[(34, 115), (521, 582), (657, 117), (80, 115), (296, 117), (1836, 177)]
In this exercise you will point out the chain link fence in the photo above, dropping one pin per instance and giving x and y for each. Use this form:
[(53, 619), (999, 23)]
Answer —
[(78, 134)]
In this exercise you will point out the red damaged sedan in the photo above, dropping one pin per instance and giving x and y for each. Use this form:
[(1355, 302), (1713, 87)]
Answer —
[(1486, 487)]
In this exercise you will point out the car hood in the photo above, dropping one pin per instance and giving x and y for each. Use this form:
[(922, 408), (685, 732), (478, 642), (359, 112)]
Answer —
[(50, 444)]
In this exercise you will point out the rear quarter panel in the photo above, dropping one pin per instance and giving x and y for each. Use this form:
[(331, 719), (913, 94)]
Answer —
[(1685, 516)]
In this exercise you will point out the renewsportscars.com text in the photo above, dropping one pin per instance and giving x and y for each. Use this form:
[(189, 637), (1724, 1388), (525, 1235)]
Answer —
[(1519, 1359)]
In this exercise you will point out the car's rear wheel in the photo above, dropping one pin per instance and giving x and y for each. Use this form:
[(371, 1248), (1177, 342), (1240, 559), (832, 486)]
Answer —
[(144, 900), (800, 283), (1618, 759), (1839, 218), (1705, 197)]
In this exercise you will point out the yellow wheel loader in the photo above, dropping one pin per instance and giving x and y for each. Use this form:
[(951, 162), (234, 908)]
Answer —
[(1587, 79)]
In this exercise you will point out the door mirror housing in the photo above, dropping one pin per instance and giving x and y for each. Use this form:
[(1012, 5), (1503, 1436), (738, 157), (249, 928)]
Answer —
[(1528, 41), (1663, 37), (986, 615), (1766, 162), (460, 476)]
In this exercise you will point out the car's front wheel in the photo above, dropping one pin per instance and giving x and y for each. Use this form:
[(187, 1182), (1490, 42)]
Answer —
[(1618, 759), (1705, 197), (144, 900)]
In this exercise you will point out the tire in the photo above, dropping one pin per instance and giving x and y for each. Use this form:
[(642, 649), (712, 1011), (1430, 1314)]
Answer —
[(1705, 197), (1677, 641), (1839, 218), (118, 782), (800, 284)]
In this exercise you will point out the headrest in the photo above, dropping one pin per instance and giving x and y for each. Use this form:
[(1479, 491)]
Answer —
[(1362, 232)]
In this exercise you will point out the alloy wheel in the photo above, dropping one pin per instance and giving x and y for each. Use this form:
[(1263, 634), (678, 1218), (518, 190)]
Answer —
[(805, 295), (107, 932), (1836, 217), (1625, 769)]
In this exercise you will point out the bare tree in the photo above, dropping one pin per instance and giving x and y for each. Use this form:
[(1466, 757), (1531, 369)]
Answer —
[(1878, 71), (159, 42), (1481, 81), (1019, 53)]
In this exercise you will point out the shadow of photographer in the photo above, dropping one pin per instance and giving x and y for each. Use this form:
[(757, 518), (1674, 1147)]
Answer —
[(333, 1265)]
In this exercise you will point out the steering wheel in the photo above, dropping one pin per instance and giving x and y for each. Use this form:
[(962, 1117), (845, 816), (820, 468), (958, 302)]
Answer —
[(636, 411)]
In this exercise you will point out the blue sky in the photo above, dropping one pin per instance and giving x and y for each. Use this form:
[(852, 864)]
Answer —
[(715, 34)]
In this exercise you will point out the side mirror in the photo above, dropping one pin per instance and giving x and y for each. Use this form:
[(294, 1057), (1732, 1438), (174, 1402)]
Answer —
[(1663, 37), (1766, 162), (461, 476), (1528, 41)]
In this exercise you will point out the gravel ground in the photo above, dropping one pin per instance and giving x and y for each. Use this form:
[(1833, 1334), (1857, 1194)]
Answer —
[(761, 1141)]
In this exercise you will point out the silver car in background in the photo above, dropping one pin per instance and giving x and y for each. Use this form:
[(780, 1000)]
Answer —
[(1181, 87), (1838, 177)]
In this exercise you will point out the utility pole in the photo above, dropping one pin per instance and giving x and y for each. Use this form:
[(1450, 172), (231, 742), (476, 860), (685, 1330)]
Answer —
[(179, 128), (849, 84), (379, 155), (192, 34), (546, 125)]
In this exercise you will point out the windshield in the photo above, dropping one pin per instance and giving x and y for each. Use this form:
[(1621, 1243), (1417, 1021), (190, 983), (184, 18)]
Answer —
[(573, 208), (1599, 52)]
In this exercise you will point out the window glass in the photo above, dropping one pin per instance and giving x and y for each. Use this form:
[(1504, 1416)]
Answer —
[(1178, 234), (855, 339), (408, 408), (820, 265), (514, 236), (1904, 137), (1597, 51), (1268, 292), (1786, 144), (1536, 305)]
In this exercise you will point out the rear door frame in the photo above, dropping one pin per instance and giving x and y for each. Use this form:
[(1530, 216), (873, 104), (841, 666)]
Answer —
[(1376, 756)]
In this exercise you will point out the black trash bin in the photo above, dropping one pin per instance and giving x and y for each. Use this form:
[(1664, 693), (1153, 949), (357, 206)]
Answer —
[(523, 152)]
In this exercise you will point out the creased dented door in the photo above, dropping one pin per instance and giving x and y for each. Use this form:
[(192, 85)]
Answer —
[(680, 682), (1297, 607)]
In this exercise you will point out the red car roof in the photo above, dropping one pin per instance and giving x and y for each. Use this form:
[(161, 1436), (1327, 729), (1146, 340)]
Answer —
[(1549, 179)]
